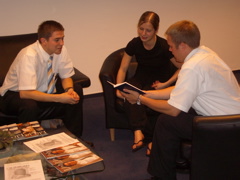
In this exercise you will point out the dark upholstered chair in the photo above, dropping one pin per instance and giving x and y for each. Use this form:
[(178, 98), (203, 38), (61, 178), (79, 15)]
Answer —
[(115, 116), (187, 156), (216, 148), (9, 48)]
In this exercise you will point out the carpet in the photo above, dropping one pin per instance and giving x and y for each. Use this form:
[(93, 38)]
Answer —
[(120, 162)]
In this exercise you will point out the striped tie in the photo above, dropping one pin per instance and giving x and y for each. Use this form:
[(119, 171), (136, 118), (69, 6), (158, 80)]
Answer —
[(51, 77)]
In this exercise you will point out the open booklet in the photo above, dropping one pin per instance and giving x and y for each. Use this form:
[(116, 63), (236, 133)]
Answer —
[(26, 130), (63, 152), (126, 85), (70, 157)]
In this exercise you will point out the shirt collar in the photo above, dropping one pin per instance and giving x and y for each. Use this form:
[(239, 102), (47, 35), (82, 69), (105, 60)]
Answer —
[(43, 52), (191, 54)]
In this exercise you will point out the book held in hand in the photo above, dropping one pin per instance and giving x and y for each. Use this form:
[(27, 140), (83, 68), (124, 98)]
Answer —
[(126, 85)]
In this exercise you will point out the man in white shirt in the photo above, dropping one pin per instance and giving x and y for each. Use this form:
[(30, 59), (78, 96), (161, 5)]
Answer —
[(205, 83), (25, 88)]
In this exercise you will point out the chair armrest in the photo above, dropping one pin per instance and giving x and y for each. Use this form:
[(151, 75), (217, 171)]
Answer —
[(81, 78), (109, 72)]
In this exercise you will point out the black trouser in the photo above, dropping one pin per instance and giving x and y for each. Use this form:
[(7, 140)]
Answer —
[(141, 117), (168, 133), (30, 110)]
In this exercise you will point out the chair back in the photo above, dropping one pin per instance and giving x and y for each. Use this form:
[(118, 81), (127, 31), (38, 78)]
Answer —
[(9, 48)]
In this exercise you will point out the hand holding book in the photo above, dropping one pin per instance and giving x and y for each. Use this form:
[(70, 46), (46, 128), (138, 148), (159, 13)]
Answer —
[(126, 85)]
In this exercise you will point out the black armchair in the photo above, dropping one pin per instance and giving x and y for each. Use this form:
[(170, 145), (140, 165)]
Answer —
[(196, 152), (215, 148), (115, 116), (9, 48)]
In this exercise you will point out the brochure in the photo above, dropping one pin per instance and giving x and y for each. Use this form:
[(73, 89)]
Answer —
[(76, 162), (63, 152), (31, 170), (26, 130), (50, 142)]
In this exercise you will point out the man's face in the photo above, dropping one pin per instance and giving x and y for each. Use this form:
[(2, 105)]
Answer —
[(178, 52), (54, 44)]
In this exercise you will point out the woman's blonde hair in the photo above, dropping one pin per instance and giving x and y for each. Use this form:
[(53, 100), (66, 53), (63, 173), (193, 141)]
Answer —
[(149, 16)]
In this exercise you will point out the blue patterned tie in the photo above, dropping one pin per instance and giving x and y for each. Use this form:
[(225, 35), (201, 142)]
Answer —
[(51, 77)]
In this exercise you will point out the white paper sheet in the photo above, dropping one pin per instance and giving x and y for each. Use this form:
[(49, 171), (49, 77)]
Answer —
[(27, 170), (50, 142)]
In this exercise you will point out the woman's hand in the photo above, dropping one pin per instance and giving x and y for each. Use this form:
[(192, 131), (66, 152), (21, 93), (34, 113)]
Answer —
[(158, 85)]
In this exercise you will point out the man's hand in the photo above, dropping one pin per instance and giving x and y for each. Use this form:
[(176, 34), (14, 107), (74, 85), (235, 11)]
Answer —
[(119, 94), (73, 94), (131, 97), (71, 97)]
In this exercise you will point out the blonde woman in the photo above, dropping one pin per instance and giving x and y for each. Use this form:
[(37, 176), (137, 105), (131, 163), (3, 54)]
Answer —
[(155, 71)]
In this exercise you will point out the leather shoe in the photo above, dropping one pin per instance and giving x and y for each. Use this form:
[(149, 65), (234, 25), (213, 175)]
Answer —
[(154, 178), (182, 165)]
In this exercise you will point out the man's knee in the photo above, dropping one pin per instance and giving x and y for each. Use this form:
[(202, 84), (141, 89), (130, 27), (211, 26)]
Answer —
[(29, 104), (28, 111)]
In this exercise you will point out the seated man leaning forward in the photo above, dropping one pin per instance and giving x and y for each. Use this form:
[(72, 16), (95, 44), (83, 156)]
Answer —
[(205, 83), (29, 87)]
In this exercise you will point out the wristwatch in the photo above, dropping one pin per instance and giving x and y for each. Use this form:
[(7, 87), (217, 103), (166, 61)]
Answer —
[(66, 90), (139, 100)]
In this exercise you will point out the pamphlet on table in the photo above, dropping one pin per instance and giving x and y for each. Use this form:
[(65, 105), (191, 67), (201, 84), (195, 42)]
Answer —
[(30, 170), (50, 142), (63, 152), (26, 130)]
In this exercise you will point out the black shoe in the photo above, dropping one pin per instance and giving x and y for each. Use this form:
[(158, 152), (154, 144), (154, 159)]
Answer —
[(182, 166), (138, 147), (154, 178)]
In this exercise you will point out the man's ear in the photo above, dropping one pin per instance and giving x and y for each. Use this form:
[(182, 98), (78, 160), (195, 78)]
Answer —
[(43, 40), (183, 45)]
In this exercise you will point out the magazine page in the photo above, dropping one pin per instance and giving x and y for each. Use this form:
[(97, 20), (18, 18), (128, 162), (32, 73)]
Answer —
[(64, 150), (28, 170), (78, 163), (68, 157), (25, 130), (50, 142)]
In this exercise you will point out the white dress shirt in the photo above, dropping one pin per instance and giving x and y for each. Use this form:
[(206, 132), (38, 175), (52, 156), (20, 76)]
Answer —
[(207, 84), (29, 69)]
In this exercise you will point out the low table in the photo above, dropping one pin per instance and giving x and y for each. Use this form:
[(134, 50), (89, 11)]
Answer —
[(20, 152)]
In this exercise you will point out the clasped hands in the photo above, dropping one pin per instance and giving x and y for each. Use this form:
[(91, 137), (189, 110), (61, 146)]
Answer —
[(72, 97)]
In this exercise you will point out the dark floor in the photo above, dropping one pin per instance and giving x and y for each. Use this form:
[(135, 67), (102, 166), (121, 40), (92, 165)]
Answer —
[(120, 162)]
